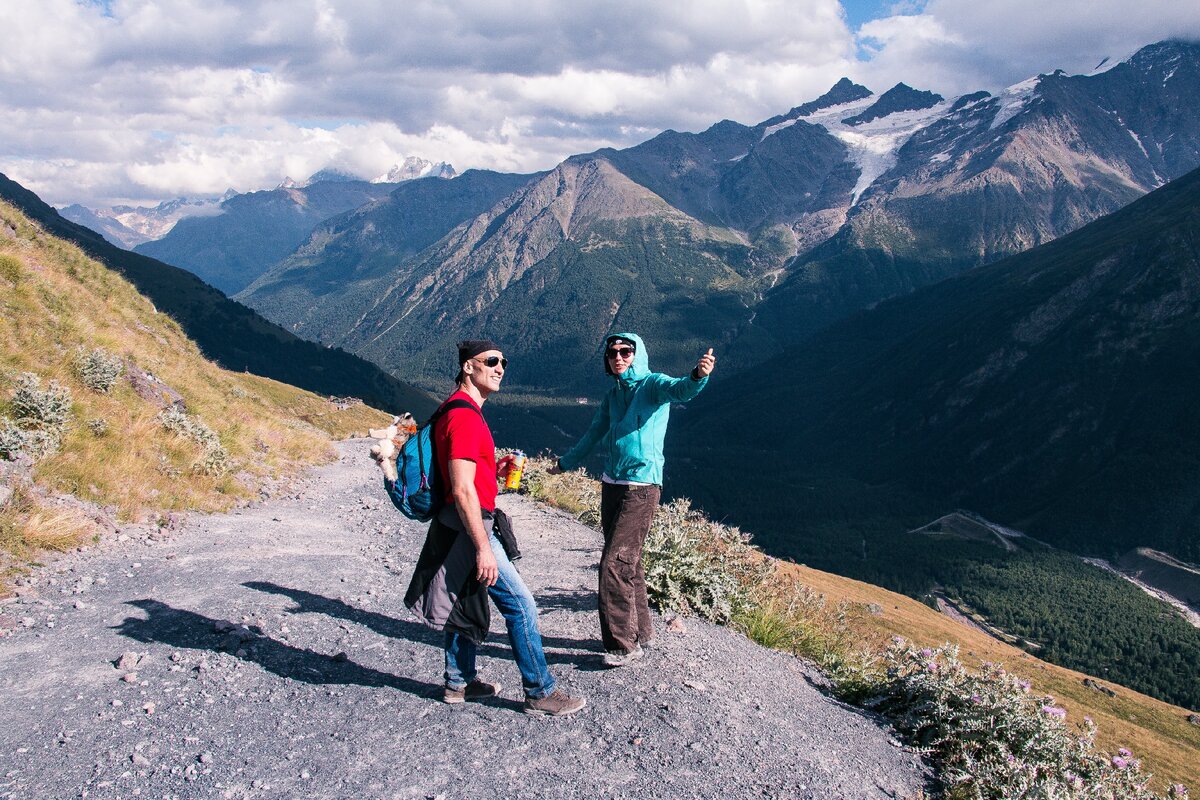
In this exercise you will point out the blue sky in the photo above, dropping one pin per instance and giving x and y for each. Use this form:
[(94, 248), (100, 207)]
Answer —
[(192, 97)]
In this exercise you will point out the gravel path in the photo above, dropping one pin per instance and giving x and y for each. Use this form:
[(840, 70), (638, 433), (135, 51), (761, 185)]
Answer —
[(274, 659)]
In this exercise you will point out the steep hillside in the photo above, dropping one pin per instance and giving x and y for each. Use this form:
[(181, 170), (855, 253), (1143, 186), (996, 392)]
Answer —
[(228, 332), (340, 267), (1052, 392), (109, 413)]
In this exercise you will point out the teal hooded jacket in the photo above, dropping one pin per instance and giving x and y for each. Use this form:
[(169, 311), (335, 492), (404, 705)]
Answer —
[(632, 420)]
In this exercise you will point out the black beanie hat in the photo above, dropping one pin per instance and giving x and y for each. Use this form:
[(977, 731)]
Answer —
[(472, 347)]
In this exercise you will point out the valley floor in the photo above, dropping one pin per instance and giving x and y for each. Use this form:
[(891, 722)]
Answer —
[(275, 659)]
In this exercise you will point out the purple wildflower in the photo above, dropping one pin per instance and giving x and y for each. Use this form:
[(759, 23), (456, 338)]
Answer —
[(1054, 711), (1119, 762)]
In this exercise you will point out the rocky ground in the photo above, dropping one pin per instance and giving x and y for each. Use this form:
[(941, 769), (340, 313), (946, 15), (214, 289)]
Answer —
[(266, 653)]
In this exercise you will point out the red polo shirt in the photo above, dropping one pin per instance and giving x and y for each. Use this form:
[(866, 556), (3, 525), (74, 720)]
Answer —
[(462, 433)]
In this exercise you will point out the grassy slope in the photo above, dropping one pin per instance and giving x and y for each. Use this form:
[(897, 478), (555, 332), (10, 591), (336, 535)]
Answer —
[(1156, 732), (56, 300)]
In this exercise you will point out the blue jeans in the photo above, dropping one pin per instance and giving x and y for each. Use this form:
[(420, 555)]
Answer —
[(513, 599)]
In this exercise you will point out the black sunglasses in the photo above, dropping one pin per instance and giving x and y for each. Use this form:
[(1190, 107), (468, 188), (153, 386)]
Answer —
[(492, 361), (623, 352)]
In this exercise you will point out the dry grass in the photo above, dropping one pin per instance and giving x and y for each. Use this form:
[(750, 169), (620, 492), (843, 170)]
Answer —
[(1157, 732), (54, 300)]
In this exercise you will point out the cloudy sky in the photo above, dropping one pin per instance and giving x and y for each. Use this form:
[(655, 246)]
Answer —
[(107, 101)]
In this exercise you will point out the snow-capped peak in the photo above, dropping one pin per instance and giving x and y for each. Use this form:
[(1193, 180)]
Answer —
[(414, 167)]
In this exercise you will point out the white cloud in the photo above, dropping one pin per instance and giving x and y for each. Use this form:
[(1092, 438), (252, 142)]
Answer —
[(169, 97), (958, 46)]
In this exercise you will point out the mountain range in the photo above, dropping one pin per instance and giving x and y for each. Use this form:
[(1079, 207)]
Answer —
[(749, 238)]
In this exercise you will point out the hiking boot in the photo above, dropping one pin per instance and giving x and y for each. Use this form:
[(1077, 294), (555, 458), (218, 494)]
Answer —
[(475, 690), (556, 704), (617, 658)]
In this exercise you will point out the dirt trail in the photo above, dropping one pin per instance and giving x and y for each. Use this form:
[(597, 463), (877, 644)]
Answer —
[(276, 660)]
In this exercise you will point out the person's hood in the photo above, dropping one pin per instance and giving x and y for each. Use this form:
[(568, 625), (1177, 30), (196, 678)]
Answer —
[(640, 367)]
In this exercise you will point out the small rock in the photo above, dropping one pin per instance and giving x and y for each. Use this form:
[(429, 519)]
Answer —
[(149, 708), (117, 704), (128, 660), (139, 760), (697, 685), (206, 758), (1194, 719), (124, 537), (176, 657), (79, 604), (675, 625), (130, 677), (28, 622)]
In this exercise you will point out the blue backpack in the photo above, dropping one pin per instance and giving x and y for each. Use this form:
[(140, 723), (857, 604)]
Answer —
[(418, 491)]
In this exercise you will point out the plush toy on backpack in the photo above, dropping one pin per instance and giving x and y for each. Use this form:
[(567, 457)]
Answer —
[(410, 475), (391, 440)]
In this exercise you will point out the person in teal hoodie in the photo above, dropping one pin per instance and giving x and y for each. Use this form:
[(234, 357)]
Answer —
[(630, 427)]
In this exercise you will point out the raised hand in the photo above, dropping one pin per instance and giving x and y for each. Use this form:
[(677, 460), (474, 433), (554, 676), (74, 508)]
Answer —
[(704, 366)]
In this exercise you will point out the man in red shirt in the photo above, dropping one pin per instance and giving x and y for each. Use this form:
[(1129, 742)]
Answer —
[(474, 557)]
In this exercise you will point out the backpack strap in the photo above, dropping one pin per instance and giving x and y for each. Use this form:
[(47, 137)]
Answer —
[(443, 409)]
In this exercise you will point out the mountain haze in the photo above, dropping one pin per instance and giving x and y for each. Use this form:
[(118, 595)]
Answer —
[(255, 230)]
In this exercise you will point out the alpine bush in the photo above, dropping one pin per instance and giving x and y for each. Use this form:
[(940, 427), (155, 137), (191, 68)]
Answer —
[(215, 459), (992, 739), (42, 416), (46, 409), (693, 565), (99, 370)]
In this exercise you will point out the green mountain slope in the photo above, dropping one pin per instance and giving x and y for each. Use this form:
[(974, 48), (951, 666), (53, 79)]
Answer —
[(1053, 391)]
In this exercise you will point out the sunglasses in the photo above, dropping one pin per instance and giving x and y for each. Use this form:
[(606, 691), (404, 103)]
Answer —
[(492, 361), (622, 352)]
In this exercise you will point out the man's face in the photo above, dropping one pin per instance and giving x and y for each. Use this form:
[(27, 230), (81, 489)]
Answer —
[(485, 378), (620, 357)]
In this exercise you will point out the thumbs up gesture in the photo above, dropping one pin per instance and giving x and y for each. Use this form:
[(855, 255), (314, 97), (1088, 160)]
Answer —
[(704, 366)]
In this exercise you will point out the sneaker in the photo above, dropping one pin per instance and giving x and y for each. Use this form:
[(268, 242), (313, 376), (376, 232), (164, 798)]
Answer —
[(556, 704), (617, 658), (475, 690)]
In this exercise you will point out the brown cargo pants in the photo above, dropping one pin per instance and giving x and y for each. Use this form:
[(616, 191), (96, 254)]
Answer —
[(625, 516)]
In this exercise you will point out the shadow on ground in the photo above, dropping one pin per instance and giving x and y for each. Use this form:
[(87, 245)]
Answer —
[(384, 625), (182, 629)]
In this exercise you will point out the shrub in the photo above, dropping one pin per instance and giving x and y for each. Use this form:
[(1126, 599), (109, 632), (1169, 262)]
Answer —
[(993, 740), (693, 565), (98, 426), (15, 440), (11, 268), (46, 409), (99, 370), (215, 459), (12, 439)]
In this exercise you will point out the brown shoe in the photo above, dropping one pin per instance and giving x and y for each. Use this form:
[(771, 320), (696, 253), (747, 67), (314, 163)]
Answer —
[(556, 704), (475, 690)]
